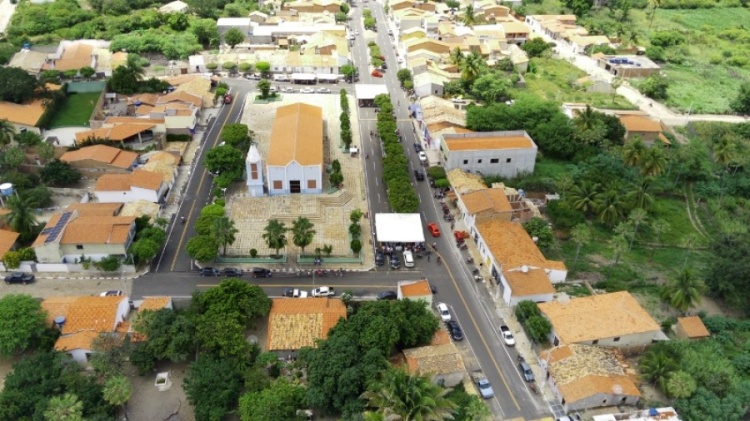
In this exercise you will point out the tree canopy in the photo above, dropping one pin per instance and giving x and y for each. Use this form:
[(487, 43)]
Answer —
[(22, 323), (58, 173), (16, 85)]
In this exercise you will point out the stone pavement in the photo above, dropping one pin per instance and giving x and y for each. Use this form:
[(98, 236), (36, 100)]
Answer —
[(329, 212)]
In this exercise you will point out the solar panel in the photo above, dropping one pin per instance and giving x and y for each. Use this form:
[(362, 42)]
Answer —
[(53, 232)]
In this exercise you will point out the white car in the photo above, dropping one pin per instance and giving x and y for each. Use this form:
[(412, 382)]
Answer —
[(422, 157), (324, 91), (400, 60), (111, 294), (323, 292), (298, 293), (445, 314), (507, 336), (288, 90), (306, 91)]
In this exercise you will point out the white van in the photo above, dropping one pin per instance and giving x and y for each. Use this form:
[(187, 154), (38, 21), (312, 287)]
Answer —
[(281, 78), (408, 259)]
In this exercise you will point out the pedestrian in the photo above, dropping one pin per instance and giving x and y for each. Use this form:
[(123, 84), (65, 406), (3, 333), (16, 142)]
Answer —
[(428, 256), (453, 225)]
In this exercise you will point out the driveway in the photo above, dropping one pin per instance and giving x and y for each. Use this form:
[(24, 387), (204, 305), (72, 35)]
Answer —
[(6, 12)]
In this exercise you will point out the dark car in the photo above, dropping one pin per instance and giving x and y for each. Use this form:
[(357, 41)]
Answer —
[(19, 278), (387, 295), (433, 289), (395, 262), (384, 66), (232, 272), (261, 273), (455, 330), (419, 175), (379, 258), (418, 147), (209, 271), (526, 372)]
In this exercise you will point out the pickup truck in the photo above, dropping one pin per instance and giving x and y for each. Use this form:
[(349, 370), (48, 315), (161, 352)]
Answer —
[(484, 386), (507, 335)]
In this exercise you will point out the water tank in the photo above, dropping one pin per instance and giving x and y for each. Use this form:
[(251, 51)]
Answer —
[(522, 193), (6, 189), (26, 46), (525, 269), (59, 322)]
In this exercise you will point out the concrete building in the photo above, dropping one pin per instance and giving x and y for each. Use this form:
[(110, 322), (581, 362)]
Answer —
[(442, 362), (68, 236), (254, 169), (507, 154), (295, 153), (584, 376), (614, 319), (101, 159), (294, 323), (484, 204), (627, 67), (526, 284), (28, 60), (691, 327), (415, 291), (643, 127), (137, 185)]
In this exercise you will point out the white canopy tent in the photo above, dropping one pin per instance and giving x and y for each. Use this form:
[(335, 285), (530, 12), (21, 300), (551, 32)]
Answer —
[(399, 228), (365, 91)]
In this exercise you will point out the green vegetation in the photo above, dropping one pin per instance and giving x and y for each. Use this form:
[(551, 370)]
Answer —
[(76, 111)]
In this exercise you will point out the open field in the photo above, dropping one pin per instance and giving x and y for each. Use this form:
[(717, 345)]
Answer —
[(76, 111)]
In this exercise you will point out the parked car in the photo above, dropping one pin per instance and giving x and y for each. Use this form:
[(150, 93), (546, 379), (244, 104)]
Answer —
[(484, 386), (262, 273), (408, 259), (433, 289), (323, 292), (379, 258), (111, 294), (400, 60), (384, 66), (455, 330), (323, 91), (418, 147), (232, 272), (434, 230), (419, 175), (294, 293), (445, 314), (387, 295), (307, 91), (507, 336), (526, 372), (209, 271), (288, 90), (395, 262), (422, 157), (228, 98), (252, 76), (376, 73)]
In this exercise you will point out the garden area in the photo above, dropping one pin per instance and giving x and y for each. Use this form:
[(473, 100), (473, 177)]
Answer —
[(703, 47), (76, 111)]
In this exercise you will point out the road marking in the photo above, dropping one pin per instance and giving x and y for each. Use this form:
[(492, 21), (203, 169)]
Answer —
[(481, 336), (203, 178)]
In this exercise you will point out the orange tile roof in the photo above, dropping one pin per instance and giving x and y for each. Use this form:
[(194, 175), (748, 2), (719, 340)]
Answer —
[(27, 114), (432, 360), (512, 246), (154, 303), (150, 99), (104, 154), (598, 317), (297, 135), (591, 385), (181, 96), (485, 199), (532, 282), (470, 142), (118, 132), (95, 209), (294, 323), (144, 179), (98, 230), (80, 340), (7, 240), (416, 289), (693, 327), (74, 57), (94, 313), (636, 123), (57, 306)]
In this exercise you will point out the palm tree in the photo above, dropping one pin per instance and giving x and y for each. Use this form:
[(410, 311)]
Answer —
[(117, 390), (634, 151), (637, 217), (401, 396), (684, 291), (302, 233), (581, 234), (619, 244), (659, 227), (275, 235), (688, 242), (21, 217), (582, 196), (653, 161), (471, 66), (656, 366), (66, 407), (469, 18), (615, 84), (134, 66), (586, 119), (224, 232), (7, 131), (656, 4), (640, 196), (457, 57), (609, 205)]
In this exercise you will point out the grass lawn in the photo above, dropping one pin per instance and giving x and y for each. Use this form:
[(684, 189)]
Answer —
[(76, 111), (550, 168), (554, 80)]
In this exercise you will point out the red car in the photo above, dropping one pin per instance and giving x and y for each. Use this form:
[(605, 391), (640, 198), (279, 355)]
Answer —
[(433, 228), (228, 98), (377, 73)]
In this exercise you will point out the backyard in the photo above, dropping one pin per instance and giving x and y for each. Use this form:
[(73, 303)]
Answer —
[(76, 111)]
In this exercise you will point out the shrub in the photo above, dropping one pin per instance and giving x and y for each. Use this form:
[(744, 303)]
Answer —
[(253, 253), (179, 138), (667, 38)]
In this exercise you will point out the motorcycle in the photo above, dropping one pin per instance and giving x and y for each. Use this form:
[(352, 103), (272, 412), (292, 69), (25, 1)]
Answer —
[(470, 260)]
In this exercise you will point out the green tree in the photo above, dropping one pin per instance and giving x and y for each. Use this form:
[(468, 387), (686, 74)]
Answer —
[(87, 72), (403, 75), (684, 290), (26, 139), (610, 206), (13, 157), (535, 47), (279, 401), (656, 367), (7, 132), (399, 395), (226, 161), (110, 263), (264, 86), (583, 197), (236, 135), (144, 251), (356, 246), (741, 103), (471, 67), (641, 195), (65, 407), (581, 234), (340, 17), (22, 323), (224, 232), (540, 229), (637, 217), (469, 17), (58, 173), (16, 85), (680, 384), (275, 235), (246, 67), (21, 217), (653, 162), (117, 390), (655, 86), (213, 387), (170, 336), (202, 248), (264, 67), (233, 37), (491, 88), (302, 233), (538, 328), (45, 151), (348, 71)]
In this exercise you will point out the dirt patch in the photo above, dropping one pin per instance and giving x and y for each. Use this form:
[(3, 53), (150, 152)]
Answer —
[(148, 403), (6, 366)]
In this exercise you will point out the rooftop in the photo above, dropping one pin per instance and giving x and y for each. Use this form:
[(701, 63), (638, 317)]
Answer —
[(95, 209), (7, 240), (294, 323), (75, 56), (464, 182), (80, 340), (598, 317), (486, 199), (27, 114), (438, 359), (531, 282), (154, 303), (144, 179), (488, 141), (297, 135), (693, 327), (116, 132), (84, 313), (415, 289), (512, 246), (101, 153), (636, 123)]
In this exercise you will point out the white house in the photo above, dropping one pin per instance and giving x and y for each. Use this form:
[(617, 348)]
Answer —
[(126, 188), (507, 153), (254, 168), (174, 7), (295, 153), (615, 320), (526, 283)]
